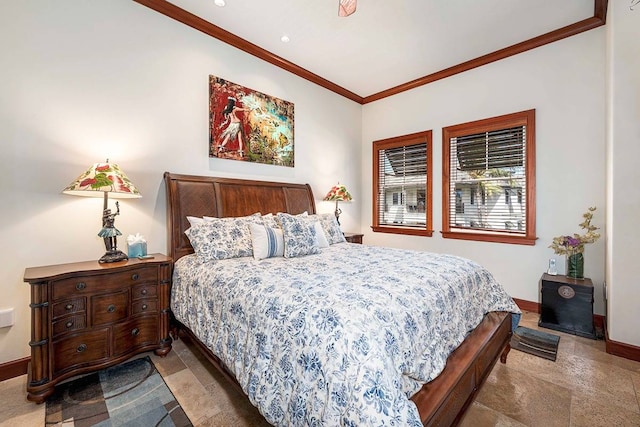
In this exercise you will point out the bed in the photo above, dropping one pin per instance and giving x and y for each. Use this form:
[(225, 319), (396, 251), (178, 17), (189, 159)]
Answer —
[(440, 401)]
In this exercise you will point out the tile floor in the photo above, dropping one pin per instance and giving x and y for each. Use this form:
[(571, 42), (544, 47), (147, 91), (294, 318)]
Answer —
[(584, 387)]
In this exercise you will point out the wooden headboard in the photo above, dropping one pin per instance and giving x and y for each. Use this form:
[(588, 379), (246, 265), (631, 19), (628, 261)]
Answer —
[(190, 195)]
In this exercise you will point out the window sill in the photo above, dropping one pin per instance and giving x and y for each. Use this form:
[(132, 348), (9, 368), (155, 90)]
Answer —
[(402, 230), (483, 237)]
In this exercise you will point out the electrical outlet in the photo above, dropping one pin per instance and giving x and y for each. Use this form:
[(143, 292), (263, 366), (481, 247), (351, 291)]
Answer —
[(7, 317)]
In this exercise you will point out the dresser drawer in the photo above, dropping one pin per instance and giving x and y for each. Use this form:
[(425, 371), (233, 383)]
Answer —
[(68, 324), (69, 306), (140, 332), (144, 290), (144, 306), (85, 348), (109, 308), (103, 282)]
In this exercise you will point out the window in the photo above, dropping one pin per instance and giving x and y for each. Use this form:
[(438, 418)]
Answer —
[(459, 202), (491, 161), (398, 199), (402, 185)]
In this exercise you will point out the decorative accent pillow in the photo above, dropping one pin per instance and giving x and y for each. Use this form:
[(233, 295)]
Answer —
[(330, 226), (267, 242), (299, 236), (222, 238)]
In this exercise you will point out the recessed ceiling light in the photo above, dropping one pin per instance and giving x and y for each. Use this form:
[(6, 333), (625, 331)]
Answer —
[(284, 39), (219, 2)]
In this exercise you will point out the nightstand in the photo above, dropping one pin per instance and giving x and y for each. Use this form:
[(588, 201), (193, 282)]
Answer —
[(353, 237), (87, 316), (567, 305)]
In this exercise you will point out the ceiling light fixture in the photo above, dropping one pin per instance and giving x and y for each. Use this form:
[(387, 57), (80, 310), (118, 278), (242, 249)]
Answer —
[(220, 3), (346, 7), (284, 39)]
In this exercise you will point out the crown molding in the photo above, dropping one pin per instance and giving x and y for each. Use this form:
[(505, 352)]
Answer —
[(172, 11)]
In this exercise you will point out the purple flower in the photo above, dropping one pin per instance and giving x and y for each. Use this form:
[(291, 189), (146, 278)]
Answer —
[(573, 242)]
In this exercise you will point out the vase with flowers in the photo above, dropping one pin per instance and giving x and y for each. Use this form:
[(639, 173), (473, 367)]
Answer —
[(573, 246)]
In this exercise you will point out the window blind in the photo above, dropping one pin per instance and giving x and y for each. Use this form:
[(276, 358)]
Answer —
[(402, 180), (488, 181)]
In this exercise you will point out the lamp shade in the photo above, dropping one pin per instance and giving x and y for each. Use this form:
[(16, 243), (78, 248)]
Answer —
[(338, 193), (103, 178)]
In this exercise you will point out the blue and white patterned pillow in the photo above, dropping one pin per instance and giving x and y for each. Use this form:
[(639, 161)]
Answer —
[(222, 238), (299, 236), (271, 220), (267, 242), (330, 226)]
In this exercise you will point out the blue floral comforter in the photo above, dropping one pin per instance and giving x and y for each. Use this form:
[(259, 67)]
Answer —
[(340, 338)]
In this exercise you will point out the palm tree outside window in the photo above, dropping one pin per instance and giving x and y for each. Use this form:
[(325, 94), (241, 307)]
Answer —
[(490, 161)]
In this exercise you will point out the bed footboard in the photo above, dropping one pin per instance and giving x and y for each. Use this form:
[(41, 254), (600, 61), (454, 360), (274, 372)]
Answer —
[(443, 401)]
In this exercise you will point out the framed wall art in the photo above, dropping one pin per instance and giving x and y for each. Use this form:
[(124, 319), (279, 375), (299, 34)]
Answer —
[(248, 125)]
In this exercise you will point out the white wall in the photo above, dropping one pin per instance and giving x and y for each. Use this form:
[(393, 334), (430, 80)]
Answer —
[(564, 82), (85, 81), (623, 173)]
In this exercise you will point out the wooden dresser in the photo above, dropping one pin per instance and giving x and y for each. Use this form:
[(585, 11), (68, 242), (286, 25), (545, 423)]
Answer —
[(87, 316)]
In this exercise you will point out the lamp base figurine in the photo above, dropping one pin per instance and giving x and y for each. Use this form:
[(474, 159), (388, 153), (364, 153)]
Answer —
[(113, 256), (110, 235)]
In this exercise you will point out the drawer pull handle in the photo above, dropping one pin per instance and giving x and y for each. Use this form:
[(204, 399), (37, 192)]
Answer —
[(68, 324), (68, 307), (81, 285), (144, 291), (111, 308), (135, 276), (81, 348), (135, 332), (144, 306)]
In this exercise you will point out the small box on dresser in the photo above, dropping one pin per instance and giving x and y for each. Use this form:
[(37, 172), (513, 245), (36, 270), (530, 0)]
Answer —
[(567, 305), (87, 316)]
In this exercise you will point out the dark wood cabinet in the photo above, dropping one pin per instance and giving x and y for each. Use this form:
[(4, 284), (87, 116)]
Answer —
[(87, 316), (353, 237), (567, 305)]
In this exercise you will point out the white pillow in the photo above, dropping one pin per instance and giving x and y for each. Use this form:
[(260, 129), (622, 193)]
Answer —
[(322, 238), (330, 226), (194, 220), (267, 242)]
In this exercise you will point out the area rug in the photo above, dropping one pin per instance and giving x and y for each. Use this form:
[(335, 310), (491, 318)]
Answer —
[(538, 343), (129, 394)]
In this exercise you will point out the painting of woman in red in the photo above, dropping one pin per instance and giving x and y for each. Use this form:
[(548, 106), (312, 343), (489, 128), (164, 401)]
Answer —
[(248, 125), (233, 130)]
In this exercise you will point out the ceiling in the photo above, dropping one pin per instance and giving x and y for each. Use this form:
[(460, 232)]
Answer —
[(385, 43)]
